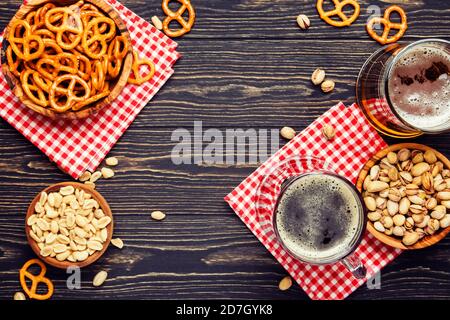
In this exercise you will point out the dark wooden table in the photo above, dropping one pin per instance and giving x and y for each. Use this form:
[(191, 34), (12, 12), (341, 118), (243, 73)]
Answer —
[(245, 64)]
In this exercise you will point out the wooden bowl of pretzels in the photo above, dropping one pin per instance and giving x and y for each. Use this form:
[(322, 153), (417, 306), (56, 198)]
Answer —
[(66, 59)]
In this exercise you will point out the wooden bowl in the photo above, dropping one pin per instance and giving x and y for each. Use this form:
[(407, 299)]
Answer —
[(65, 264), (117, 87), (391, 240)]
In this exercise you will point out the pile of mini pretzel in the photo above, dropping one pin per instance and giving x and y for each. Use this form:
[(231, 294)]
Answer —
[(68, 58)]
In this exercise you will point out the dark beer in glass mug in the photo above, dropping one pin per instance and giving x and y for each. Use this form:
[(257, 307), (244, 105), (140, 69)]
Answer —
[(404, 91)]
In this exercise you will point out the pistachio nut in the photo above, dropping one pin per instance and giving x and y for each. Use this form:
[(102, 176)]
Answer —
[(389, 231), (406, 165), (392, 157), (418, 218), (443, 195), (430, 157), (377, 186), (430, 203), (384, 193), (415, 199), (392, 207), (374, 216), (437, 215), (440, 185), (394, 195), (378, 226), (446, 203), (374, 172), (412, 189), (393, 174), (399, 220), (424, 222), (398, 231), (417, 209), (427, 181), (410, 238), (405, 177), (370, 203), (404, 205), (381, 203), (387, 221), (419, 169), (417, 156), (409, 223), (403, 154), (445, 221)]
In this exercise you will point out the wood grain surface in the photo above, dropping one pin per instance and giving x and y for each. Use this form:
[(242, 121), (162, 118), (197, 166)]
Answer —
[(245, 64)]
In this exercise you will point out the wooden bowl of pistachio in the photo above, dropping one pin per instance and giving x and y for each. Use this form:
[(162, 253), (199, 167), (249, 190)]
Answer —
[(406, 189)]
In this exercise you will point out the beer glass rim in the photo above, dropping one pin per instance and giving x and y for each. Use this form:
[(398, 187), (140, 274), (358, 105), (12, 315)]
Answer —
[(388, 73), (357, 238)]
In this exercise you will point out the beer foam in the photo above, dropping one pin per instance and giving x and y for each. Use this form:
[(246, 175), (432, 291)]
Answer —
[(318, 218), (419, 87)]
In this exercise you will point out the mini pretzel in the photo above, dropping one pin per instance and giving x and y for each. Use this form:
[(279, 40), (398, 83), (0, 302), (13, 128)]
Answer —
[(68, 22), (84, 67), (98, 75), (44, 33), (92, 99), (35, 280), (13, 62), (69, 93), (31, 89), (117, 51), (22, 46), (97, 37), (137, 78), (338, 11), (388, 25), (41, 82), (62, 62), (178, 16)]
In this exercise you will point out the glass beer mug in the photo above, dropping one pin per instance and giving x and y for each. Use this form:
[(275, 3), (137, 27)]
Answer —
[(404, 91)]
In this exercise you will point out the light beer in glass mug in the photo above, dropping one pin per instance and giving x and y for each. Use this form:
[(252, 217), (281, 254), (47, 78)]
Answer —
[(404, 91)]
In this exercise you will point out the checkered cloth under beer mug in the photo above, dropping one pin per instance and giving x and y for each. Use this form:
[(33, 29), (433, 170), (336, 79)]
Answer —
[(77, 146), (354, 143)]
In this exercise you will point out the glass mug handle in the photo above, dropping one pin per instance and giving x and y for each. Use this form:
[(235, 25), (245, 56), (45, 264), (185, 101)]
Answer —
[(355, 266)]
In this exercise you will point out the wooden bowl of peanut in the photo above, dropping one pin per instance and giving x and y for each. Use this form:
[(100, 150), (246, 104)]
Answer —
[(406, 189), (69, 224)]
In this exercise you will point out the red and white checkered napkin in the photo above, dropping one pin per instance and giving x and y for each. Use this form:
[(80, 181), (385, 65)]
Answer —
[(77, 146), (355, 142)]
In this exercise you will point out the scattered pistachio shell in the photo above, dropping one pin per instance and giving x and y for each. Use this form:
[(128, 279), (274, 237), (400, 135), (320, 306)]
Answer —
[(287, 133), (328, 131)]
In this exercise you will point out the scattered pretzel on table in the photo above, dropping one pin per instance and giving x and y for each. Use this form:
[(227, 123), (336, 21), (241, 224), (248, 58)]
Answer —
[(136, 77), (24, 274), (388, 25), (338, 11), (186, 26), (61, 54)]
